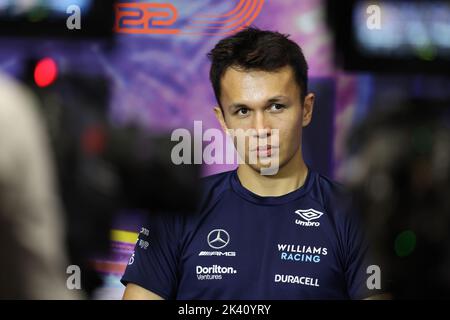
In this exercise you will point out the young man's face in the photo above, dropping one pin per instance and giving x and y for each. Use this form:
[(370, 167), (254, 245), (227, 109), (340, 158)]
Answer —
[(265, 100)]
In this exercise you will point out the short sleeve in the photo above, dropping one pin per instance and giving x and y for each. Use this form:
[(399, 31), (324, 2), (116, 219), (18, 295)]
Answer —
[(154, 262)]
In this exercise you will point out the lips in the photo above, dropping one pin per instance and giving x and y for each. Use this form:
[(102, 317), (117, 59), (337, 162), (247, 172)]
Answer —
[(265, 151), (263, 148)]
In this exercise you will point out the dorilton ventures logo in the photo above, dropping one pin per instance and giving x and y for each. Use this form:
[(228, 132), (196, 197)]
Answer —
[(169, 18), (214, 272)]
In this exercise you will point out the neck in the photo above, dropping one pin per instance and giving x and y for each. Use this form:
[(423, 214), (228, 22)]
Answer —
[(290, 177)]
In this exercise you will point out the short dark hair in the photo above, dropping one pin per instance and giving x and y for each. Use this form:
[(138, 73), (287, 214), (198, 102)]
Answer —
[(255, 49)]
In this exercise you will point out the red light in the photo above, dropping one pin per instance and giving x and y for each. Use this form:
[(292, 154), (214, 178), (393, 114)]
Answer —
[(45, 72)]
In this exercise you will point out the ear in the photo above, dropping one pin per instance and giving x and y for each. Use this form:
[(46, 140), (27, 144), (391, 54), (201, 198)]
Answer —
[(220, 117), (308, 106)]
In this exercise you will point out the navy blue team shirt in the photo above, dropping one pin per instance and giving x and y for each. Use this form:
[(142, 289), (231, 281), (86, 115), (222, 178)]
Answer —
[(306, 244)]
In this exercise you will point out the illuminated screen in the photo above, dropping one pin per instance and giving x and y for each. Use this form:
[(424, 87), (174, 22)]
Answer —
[(37, 9), (401, 29)]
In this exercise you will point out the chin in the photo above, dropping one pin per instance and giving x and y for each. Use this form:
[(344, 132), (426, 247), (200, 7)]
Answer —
[(264, 169)]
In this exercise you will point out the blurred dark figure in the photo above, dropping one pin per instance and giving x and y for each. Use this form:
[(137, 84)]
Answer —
[(400, 170), (33, 260)]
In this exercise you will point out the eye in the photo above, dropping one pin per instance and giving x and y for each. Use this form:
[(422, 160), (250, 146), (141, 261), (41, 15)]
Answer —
[(242, 112), (277, 107)]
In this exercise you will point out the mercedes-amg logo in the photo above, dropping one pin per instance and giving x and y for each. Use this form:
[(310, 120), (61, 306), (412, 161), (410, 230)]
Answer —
[(218, 239)]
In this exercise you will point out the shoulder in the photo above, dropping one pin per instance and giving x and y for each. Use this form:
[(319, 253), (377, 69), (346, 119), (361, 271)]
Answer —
[(327, 191), (211, 189), (334, 197), (214, 186), (331, 189), (216, 179)]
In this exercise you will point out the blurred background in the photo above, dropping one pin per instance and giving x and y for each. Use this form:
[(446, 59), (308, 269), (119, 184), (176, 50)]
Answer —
[(110, 80)]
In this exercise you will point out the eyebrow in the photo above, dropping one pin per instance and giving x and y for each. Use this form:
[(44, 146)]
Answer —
[(274, 99)]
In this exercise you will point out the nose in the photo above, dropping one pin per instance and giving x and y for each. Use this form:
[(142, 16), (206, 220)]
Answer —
[(261, 125)]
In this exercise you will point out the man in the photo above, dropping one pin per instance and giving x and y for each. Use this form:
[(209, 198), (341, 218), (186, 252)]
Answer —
[(282, 235)]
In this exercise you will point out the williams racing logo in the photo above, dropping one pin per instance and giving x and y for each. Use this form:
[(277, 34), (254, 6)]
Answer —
[(307, 216), (300, 253)]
